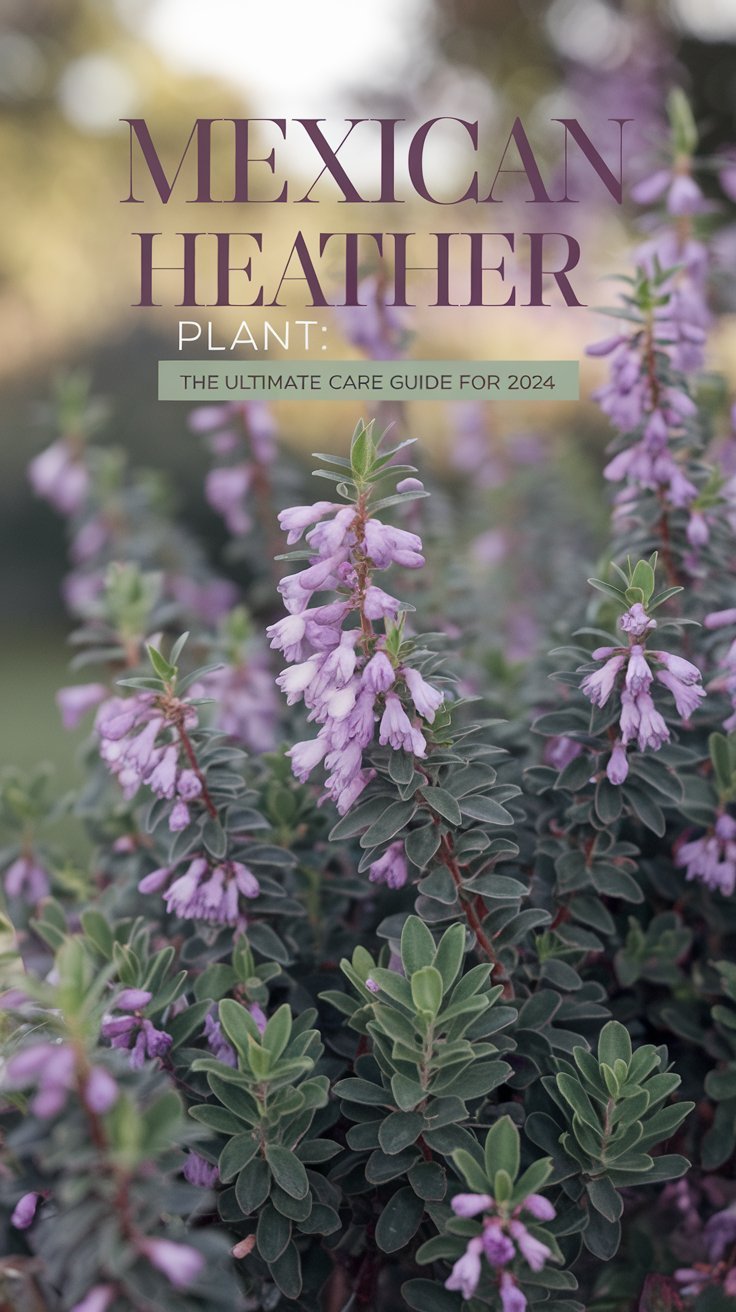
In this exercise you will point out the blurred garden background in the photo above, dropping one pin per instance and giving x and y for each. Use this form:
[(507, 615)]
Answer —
[(70, 69)]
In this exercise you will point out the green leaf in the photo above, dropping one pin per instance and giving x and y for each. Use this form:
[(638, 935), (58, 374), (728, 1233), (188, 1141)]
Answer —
[(448, 958), (614, 1044), (421, 844), (426, 989), (604, 1198), (574, 1094), (486, 810), (287, 1170), (278, 1031), (471, 1171), (399, 1220), (252, 1186), (287, 1272), (502, 1148), (273, 1233), (428, 1296), (417, 945), (390, 822), (236, 1155), (399, 1131), (444, 804)]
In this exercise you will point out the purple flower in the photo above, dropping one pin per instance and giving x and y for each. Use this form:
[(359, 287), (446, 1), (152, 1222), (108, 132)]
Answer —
[(180, 817), (617, 768), (512, 1299), (59, 477), (599, 684), (200, 1172), (132, 999), (636, 621), (216, 1041), (100, 1090), (180, 1263), (26, 878), (712, 858), (51, 1067), (259, 1016), (372, 986), (470, 1204), (379, 674), (396, 729), (466, 1272), (75, 701), (532, 1250), (391, 868), (426, 698), (97, 1299), (687, 695), (539, 1207), (24, 1211), (497, 1246), (638, 673)]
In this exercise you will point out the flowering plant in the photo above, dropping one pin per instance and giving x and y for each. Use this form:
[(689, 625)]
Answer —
[(350, 991)]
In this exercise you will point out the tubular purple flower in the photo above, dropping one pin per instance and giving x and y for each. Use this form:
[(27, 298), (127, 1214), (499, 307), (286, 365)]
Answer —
[(198, 1171), (532, 1250), (653, 731), (26, 878), (24, 1211), (180, 1263), (391, 868), (617, 771), (466, 1272), (497, 1246), (599, 684), (378, 674), (512, 1299), (76, 700), (132, 999), (426, 698), (638, 674), (470, 1204), (687, 695), (100, 1090), (539, 1207), (396, 728), (98, 1299)]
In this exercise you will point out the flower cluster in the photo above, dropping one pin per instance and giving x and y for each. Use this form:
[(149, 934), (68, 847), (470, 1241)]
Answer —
[(350, 677), (130, 731), (133, 1030), (636, 400), (712, 858), (722, 619), (228, 429), (59, 475), (639, 720), (205, 891), (54, 1069), (504, 1237)]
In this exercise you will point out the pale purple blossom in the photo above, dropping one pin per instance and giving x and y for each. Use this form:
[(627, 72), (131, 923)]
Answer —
[(465, 1274), (391, 868), (198, 1171), (76, 700), (28, 879), (712, 858), (24, 1211), (216, 1041), (98, 1299), (180, 1263), (59, 476)]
